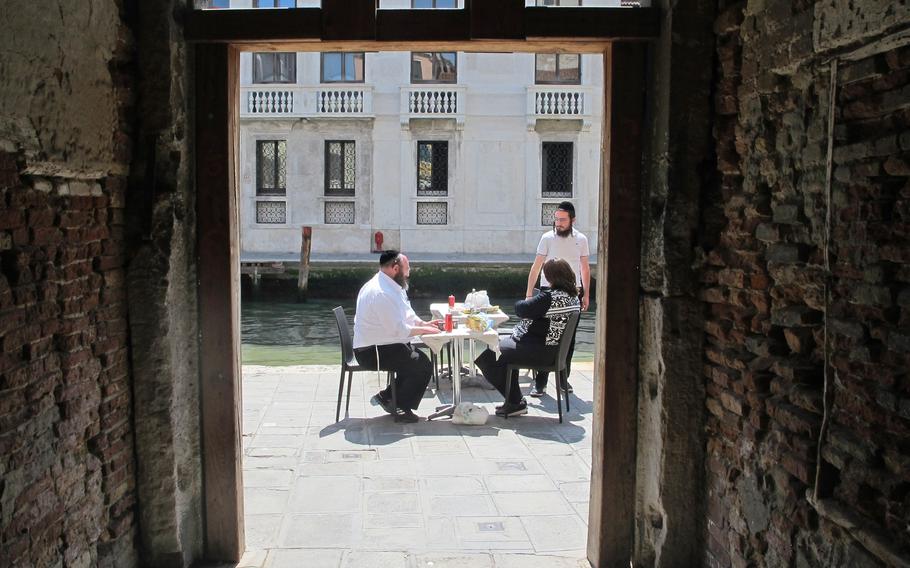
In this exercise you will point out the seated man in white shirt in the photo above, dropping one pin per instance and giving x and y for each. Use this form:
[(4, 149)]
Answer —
[(383, 326)]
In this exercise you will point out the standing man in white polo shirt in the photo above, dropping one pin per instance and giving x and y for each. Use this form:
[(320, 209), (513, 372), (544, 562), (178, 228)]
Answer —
[(571, 245), (383, 327)]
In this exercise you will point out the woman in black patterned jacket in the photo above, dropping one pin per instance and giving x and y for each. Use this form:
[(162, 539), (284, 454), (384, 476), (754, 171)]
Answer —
[(535, 340)]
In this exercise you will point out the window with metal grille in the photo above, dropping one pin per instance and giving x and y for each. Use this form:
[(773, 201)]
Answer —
[(557, 69), (271, 167), (339, 212), (340, 171), (274, 3), (338, 67), (274, 67), (434, 67), (557, 169), (432, 213), (559, 2), (271, 212), (432, 168)]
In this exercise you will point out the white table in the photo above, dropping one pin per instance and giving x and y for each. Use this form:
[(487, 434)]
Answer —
[(458, 316), (437, 341), (441, 309)]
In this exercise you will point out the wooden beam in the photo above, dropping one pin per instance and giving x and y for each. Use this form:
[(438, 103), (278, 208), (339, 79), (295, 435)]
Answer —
[(612, 505), (348, 19), (358, 20), (217, 210), (416, 25), (253, 25), (496, 19), (600, 23)]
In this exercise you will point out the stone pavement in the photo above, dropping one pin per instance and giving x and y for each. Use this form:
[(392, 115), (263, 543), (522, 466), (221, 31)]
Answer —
[(367, 492)]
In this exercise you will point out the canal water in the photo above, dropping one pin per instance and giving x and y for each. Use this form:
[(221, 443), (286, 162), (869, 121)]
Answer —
[(280, 332)]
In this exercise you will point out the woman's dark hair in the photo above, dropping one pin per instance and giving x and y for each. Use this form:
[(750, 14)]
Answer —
[(560, 275)]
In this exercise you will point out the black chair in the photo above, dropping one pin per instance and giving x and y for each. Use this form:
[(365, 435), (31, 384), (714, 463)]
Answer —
[(558, 368), (349, 363)]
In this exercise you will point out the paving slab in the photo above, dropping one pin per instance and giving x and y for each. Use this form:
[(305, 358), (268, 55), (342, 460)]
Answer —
[(533, 503), (268, 477), (501, 560), (326, 494), (453, 485), (264, 500), (460, 505), (297, 558), (335, 530), (559, 532), (391, 503), (519, 483), (437, 560), (376, 559), (389, 483), (261, 531)]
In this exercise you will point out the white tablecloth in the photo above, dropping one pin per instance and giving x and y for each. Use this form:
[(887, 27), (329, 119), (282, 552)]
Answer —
[(440, 310), (436, 341)]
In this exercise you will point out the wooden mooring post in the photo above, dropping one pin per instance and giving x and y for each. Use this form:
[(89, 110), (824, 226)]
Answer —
[(303, 274)]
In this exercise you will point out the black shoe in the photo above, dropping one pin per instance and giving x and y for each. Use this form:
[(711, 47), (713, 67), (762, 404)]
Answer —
[(537, 392), (511, 409), (406, 415), (567, 388), (379, 400)]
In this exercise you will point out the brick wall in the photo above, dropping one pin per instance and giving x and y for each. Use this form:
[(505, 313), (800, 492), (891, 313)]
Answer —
[(764, 285), (66, 454)]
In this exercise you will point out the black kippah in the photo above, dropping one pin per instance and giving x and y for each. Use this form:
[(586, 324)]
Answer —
[(387, 257), (568, 208)]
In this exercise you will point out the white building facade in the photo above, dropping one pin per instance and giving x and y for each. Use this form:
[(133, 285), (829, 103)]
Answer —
[(455, 153)]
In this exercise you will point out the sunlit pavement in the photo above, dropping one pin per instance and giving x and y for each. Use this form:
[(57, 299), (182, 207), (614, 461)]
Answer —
[(367, 492)]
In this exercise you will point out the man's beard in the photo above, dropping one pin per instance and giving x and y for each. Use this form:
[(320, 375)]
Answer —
[(563, 233), (401, 280)]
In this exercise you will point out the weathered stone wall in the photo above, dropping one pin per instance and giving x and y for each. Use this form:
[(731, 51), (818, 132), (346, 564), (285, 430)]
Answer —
[(669, 480), (161, 281), (778, 287), (67, 468)]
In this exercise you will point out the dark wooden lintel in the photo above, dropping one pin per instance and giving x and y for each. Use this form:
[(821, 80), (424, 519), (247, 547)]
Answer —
[(253, 25), (416, 25), (358, 20), (592, 23)]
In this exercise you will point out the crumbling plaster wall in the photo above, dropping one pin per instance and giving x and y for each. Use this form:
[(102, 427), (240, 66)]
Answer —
[(787, 291), (99, 402)]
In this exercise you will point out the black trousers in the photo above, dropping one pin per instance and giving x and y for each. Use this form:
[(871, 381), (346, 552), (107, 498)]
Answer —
[(494, 370), (412, 371), (542, 378)]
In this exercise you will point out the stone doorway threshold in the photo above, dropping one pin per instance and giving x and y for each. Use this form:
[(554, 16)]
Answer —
[(367, 492)]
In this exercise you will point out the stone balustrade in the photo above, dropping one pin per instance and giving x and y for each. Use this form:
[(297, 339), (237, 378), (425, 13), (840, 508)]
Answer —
[(274, 101)]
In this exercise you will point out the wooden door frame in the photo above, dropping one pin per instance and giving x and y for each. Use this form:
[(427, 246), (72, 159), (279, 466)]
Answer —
[(219, 38)]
